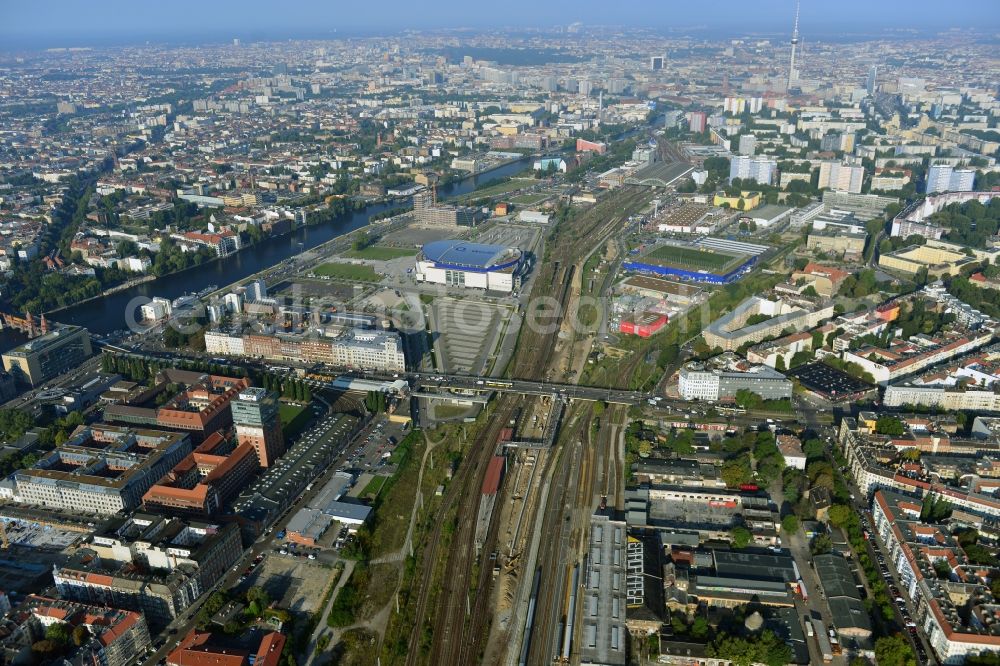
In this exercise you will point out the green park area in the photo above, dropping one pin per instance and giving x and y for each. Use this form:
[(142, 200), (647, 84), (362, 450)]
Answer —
[(379, 253), (355, 272)]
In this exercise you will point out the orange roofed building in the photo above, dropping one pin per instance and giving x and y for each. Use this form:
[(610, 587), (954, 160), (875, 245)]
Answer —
[(201, 408), (114, 637), (205, 480), (198, 649)]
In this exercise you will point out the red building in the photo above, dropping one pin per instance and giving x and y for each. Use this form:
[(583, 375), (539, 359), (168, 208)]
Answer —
[(584, 146), (643, 325)]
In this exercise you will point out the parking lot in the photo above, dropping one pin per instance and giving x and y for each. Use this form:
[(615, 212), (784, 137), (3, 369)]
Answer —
[(295, 583), (468, 333), (829, 382)]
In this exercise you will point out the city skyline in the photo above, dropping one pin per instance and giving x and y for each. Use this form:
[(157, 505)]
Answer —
[(61, 23)]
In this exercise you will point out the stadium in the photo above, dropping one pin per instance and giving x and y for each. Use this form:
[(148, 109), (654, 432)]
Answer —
[(458, 263), (714, 262)]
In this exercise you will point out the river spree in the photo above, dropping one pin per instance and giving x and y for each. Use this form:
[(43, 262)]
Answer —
[(107, 314)]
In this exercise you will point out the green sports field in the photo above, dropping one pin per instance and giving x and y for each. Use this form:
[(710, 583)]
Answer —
[(378, 253), (355, 272), (691, 259)]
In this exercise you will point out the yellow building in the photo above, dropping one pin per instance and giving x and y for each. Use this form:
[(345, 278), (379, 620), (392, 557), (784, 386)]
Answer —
[(938, 261), (750, 200)]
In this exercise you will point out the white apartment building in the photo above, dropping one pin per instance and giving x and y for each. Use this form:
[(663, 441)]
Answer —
[(760, 169), (946, 178), (840, 177)]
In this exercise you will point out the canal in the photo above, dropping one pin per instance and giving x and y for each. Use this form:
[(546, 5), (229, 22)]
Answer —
[(104, 315)]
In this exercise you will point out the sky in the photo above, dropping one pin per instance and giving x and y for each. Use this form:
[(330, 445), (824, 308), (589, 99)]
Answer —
[(46, 23)]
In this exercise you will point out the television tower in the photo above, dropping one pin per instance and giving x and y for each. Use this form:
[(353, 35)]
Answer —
[(792, 74)]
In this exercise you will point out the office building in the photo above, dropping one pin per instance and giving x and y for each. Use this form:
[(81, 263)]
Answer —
[(205, 480), (946, 178), (255, 414), (148, 563), (655, 63), (108, 636), (731, 331), (101, 469), (759, 169), (429, 213), (200, 408), (841, 177), (352, 348), (724, 376), (49, 355), (256, 291)]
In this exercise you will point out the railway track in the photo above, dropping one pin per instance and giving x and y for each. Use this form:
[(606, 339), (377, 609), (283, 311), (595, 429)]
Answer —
[(467, 480), (535, 349), (573, 475)]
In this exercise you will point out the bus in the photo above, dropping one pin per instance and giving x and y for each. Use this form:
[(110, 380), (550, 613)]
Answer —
[(492, 383)]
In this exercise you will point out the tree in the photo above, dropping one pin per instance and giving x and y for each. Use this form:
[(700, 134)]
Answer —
[(889, 425), (779, 364), (894, 651), (740, 537), (80, 635), (821, 544), (736, 471), (762, 648), (58, 633), (840, 515), (790, 523)]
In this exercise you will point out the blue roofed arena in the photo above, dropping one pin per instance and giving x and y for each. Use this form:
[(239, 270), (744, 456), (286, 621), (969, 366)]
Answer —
[(459, 263)]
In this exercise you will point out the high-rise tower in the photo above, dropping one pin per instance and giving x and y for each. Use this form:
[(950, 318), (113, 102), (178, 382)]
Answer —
[(258, 423), (793, 75)]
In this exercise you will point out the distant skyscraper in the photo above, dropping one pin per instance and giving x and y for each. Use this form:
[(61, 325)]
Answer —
[(236, 41), (696, 121), (793, 74), (255, 414), (280, 69), (656, 63), (870, 83)]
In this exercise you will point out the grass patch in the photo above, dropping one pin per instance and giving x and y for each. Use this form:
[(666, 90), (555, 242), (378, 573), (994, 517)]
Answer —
[(373, 487), (377, 253), (449, 411), (293, 420), (529, 199), (354, 272), (394, 503)]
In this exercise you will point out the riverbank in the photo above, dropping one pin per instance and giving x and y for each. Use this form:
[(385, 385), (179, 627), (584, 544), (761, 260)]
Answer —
[(128, 284), (107, 314)]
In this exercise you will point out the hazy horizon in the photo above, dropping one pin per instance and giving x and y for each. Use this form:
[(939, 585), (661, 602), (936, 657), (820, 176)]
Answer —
[(65, 23)]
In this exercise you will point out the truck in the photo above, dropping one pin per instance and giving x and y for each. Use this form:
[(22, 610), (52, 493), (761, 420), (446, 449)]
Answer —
[(822, 641)]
